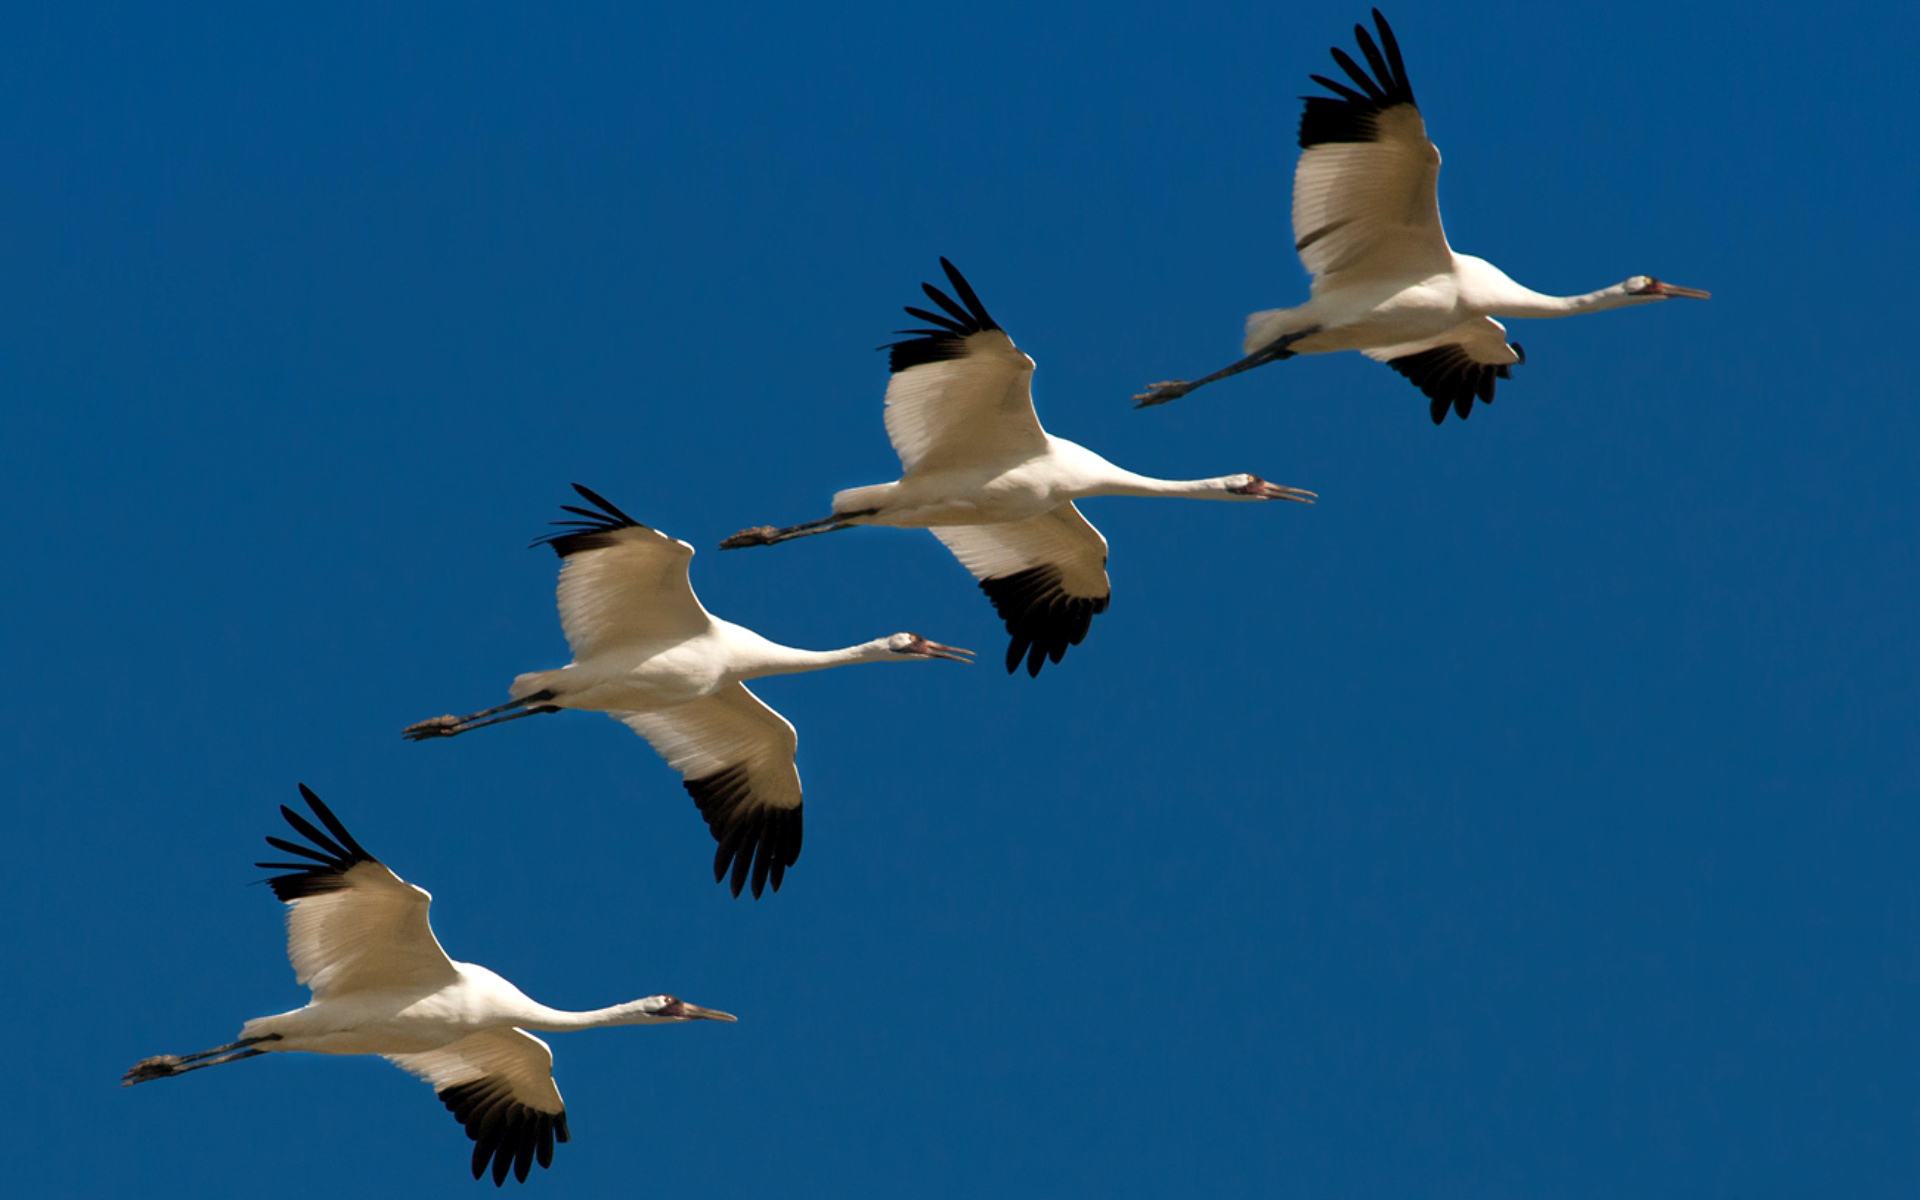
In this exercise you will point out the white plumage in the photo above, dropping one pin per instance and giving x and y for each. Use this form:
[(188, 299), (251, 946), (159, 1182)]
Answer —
[(359, 939), (647, 653), (1366, 223), (997, 489)]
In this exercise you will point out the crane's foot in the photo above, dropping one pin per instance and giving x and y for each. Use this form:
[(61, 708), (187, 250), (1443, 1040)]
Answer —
[(759, 535), (433, 727), (158, 1067), (1160, 393)]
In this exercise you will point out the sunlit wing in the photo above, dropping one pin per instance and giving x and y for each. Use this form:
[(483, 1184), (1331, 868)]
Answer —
[(1364, 200), (620, 581), (736, 756), (1456, 367), (352, 924), (960, 394), (499, 1083), (1046, 576)]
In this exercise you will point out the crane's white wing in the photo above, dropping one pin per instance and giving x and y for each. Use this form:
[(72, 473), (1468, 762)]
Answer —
[(1046, 576), (1456, 367), (1364, 204), (352, 924), (621, 582), (499, 1083), (960, 394), (736, 756)]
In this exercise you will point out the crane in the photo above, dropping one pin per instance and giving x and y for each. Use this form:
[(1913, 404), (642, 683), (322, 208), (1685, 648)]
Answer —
[(1366, 223), (359, 937), (647, 653), (980, 473)]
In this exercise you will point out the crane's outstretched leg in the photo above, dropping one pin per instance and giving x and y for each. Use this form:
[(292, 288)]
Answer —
[(162, 1065), (1274, 351), (447, 726), (767, 535)]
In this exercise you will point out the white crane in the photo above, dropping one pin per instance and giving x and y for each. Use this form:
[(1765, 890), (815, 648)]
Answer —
[(647, 654), (1366, 223), (996, 488), (358, 936)]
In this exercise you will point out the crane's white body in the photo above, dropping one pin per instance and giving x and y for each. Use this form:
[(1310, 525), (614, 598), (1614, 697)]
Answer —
[(649, 654), (978, 470), (1000, 493), (1366, 223), (359, 938)]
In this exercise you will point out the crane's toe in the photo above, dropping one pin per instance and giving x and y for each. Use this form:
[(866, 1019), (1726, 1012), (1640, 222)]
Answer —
[(420, 731), (1160, 393), (158, 1067), (759, 535)]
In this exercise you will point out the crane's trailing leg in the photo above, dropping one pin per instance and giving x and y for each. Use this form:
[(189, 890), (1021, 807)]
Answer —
[(447, 726), (767, 535), (1274, 351), (162, 1065)]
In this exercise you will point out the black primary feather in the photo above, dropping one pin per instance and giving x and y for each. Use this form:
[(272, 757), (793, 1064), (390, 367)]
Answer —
[(1350, 115), (332, 856), (755, 840), (1452, 379), (506, 1134), (1041, 615), (950, 329), (593, 530)]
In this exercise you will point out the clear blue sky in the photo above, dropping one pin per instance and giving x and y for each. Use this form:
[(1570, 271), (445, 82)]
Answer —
[(1534, 817)]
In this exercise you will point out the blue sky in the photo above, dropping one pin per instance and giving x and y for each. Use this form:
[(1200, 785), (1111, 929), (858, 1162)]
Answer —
[(1534, 816)]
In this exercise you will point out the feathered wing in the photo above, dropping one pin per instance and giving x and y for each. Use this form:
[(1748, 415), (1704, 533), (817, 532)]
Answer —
[(621, 581), (961, 390), (1364, 198), (1046, 576), (1456, 367), (736, 757), (351, 922), (499, 1083)]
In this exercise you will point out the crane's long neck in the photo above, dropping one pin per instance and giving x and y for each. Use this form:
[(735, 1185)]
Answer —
[(755, 656), (1081, 473), (1517, 301), (559, 1020), (1118, 482)]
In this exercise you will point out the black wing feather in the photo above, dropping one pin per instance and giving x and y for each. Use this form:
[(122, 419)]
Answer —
[(593, 530), (1451, 378), (332, 856), (756, 841), (506, 1134), (1352, 116), (1041, 615), (947, 339)]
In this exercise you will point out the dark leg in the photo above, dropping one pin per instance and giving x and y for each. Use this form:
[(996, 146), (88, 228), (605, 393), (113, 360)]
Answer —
[(161, 1066), (767, 535), (1273, 351), (447, 726)]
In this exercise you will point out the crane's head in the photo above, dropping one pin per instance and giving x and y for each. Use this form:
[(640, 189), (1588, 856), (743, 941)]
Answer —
[(1653, 289), (1255, 488), (672, 1008), (912, 645)]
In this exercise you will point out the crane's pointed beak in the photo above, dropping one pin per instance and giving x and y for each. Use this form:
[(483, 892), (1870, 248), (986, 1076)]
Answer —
[(1674, 289), (1260, 489), (932, 649), (680, 1010)]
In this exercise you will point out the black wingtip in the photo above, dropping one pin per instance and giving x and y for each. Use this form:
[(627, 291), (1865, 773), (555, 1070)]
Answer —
[(1042, 618), (1350, 114), (593, 527), (334, 853), (946, 337), (756, 842), (1451, 379)]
